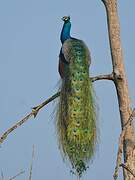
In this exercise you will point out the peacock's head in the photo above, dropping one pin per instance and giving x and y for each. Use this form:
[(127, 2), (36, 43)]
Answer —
[(66, 18)]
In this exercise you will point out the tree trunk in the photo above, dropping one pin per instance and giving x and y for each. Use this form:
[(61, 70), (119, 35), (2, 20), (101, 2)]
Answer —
[(121, 86)]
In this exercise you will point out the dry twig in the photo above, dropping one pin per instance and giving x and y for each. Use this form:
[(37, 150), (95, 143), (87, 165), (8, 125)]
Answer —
[(21, 172), (34, 112), (31, 166)]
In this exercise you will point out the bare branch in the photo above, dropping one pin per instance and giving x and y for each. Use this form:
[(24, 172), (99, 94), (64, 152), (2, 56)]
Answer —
[(20, 173), (19, 123), (120, 147), (31, 166), (36, 109), (102, 77), (34, 112), (119, 155), (130, 119)]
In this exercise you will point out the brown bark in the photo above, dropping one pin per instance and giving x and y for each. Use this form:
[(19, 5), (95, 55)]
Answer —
[(121, 86)]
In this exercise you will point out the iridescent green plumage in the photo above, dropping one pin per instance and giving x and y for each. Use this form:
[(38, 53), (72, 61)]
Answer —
[(76, 121)]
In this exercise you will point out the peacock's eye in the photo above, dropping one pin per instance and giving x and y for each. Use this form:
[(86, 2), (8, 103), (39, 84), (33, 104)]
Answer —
[(71, 148), (79, 59), (86, 131), (77, 89), (84, 149), (72, 75), (81, 79), (74, 131), (78, 97), (78, 123)]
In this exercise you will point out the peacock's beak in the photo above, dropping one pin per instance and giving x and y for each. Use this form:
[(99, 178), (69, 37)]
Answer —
[(62, 18)]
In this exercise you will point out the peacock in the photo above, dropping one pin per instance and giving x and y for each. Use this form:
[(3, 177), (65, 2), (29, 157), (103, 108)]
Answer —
[(76, 114)]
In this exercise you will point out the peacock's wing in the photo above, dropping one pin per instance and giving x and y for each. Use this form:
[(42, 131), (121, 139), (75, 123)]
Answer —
[(66, 53), (73, 48), (62, 63)]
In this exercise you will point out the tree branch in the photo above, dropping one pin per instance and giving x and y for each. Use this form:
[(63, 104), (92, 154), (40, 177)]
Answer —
[(34, 112), (21, 172), (121, 85), (31, 166), (36, 109), (120, 147), (102, 77)]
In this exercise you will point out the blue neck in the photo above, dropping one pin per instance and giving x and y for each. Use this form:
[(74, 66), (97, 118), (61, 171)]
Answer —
[(65, 33)]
